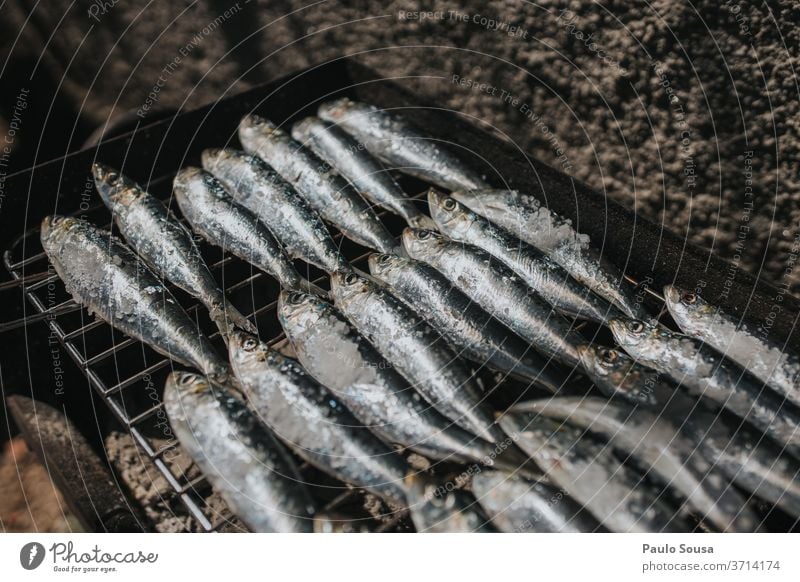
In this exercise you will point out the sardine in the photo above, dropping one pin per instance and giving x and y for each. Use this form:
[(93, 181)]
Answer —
[(338, 356), (538, 271), (260, 189), (420, 354), (658, 446), (525, 217), (499, 291), (518, 506), (614, 493), (325, 190), (733, 337), (215, 216), (313, 422), (402, 145), (164, 244), (481, 337), (434, 509), (238, 455), (751, 461), (112, 282), (367, 175), (709, 374)]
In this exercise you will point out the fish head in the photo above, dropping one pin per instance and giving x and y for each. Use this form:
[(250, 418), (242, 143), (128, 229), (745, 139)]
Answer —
[(185, 383), (607, 365), (632, 334), (115, 188), (220, 159), (245, 348), (346, 286), (421, 243), (452, 217), (335, 110), (298, 310), (253, 127), (55, 227), (386, 266), (684, 306), (307, 128), (192, 182)]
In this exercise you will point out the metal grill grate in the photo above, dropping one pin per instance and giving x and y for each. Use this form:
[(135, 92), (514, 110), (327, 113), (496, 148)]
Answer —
[(129, 376)]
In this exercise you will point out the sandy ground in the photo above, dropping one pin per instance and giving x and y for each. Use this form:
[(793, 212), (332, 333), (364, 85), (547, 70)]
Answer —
[(660, 104), (28, 499)]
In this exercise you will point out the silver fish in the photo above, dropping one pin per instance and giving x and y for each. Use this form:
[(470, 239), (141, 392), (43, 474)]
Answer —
[(482, 338), (164, 244), (497, 290), (518, 506), (708, 373), (751, 461), (107, 278), (420, 354), (525, 217), (658, 446), (436, 510), (367, 175), (325, 190), (539, 272), (313, 422), (730, 335), (401, 144), (215, 216), (238, 455), (338, 356), (260, 189), (618, 497)]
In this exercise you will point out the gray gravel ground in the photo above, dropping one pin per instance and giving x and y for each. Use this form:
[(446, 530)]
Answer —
[(660, 107)]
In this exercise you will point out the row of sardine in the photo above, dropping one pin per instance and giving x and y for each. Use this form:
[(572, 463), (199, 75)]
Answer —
[(392, 358)]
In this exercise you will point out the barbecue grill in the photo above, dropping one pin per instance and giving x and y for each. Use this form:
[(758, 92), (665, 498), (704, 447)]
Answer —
[(127, 378)]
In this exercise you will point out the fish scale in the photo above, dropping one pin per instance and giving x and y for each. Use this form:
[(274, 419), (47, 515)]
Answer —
[(313, 422), (401, 144), (338, 356), (751, 461), (238, 455), (260, 189), (324, 190), (420, 353), (214, 215), (528, 219), (736, 339), (364, 172), (482, 338), (112, 282), (498, 291), (164, 244), (614, 493), (538, 271), (709, 374)]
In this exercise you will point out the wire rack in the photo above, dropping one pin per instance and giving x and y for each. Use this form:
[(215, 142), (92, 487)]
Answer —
[(129, 376)]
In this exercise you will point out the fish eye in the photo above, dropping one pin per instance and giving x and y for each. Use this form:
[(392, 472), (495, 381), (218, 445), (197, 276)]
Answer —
[(384, 260), (609, 356), (636, 326), (249, 344), (423, 234), (56, 220), (689, 298), (296, 298), (449, 204), (185, 379), (350, 279)]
